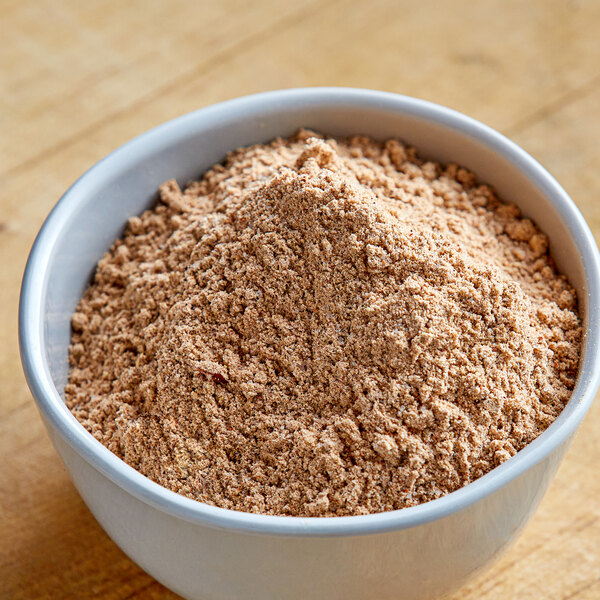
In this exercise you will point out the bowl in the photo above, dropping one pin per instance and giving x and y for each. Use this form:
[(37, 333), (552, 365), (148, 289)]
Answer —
[(204, 552)]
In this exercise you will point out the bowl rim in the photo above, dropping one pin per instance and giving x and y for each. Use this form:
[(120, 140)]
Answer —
[(59, 419)]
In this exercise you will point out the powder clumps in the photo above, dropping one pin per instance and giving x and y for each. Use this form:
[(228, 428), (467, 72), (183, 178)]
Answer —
[(324, 327)]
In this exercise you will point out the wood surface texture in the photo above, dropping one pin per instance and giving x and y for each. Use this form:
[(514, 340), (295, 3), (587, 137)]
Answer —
[(80, 77)]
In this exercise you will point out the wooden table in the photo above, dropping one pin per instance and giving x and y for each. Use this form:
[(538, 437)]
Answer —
[(77, 79)]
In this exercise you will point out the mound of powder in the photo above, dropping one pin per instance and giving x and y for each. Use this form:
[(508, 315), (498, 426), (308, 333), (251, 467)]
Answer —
[(324, 327)]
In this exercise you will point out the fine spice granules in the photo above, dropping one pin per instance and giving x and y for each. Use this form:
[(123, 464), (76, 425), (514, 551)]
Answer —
[(324, 327)]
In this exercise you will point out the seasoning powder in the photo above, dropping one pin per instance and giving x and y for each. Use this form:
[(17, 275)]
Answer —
[(324, 327)]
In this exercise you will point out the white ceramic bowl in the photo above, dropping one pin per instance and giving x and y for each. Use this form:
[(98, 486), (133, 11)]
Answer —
[(203, 552)]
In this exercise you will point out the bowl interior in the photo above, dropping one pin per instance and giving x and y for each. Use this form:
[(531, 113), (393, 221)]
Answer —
[(93, 213)]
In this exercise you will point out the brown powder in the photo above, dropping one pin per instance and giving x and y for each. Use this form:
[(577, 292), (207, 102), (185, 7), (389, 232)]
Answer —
[(324, 327)]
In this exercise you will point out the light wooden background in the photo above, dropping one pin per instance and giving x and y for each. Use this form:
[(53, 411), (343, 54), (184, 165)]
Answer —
[(80, 77)]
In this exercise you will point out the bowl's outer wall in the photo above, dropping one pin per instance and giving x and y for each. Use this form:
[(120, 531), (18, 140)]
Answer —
[(419, 563), (201, 560)]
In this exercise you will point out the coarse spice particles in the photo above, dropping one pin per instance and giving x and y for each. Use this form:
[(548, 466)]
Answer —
[(324, 327)]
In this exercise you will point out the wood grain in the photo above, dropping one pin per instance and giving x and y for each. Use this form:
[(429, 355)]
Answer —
[(77, 79)]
